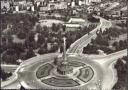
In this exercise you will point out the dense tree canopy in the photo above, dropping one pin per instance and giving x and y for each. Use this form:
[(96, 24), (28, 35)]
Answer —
[(122, 73), (4, 75)]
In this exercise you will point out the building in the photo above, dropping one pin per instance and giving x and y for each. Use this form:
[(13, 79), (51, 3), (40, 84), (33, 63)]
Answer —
[(43, 8), (5, 5), (81, 2), (17, 5), (74, 3), (52, 5), (74, 24), (88, 2), (57, 5), (76, 20), (72, 27)]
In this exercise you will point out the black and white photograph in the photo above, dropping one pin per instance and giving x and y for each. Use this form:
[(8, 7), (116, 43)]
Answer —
[(64, 44)]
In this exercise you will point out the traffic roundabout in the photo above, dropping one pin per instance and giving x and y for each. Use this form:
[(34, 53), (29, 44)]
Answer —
[(77, 73)]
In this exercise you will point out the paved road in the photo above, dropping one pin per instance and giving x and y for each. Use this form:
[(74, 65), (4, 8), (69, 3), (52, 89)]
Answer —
[(13, 82), (32, 82), (78, 45), (106, 62), (9, 68), (112, 6)]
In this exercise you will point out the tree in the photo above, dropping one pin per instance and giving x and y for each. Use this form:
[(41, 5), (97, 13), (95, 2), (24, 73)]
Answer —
[(31, 36), (55, 61), (54, 48), (64, 28), (101, 41), (41, 39), (22, 88), (30, 53), (92, 41), (121, 73), (39, 28), (93, 19), (21, 35), (121, 44), (54, 27), (10, 56), (45, 31), (115, 44), (42, 50), (4, 75)]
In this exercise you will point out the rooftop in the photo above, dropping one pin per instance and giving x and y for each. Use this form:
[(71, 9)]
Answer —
[(72, 25), (76, 20)]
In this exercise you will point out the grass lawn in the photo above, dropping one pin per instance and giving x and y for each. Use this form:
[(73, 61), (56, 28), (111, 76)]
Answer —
[(44, 70)]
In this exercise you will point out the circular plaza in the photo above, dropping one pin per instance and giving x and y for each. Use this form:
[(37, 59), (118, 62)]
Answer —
[(77, 73)]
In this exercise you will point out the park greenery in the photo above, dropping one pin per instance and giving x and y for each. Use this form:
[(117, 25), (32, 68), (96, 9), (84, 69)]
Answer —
[(18, 37), (122, 70), (4, 75), (103, 39), (93, 19)]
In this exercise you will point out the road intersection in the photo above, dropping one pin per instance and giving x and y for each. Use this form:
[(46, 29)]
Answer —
[(105, 63)]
